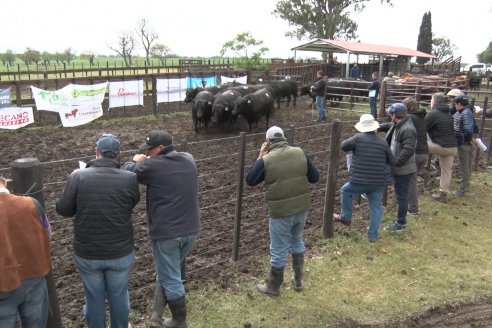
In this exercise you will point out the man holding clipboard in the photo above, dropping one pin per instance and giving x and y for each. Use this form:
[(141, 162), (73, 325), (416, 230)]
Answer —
[(373, 94)]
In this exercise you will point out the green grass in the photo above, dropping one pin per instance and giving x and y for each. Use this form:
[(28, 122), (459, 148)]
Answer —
[(443, 257)]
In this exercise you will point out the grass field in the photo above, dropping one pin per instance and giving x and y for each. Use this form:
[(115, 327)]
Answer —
[(443, 257)]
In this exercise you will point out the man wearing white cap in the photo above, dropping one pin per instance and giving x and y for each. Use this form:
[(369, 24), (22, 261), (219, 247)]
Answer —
[(370, 172), (287, 172)]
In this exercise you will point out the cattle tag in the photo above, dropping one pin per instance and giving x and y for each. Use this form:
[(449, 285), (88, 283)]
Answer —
[(249, 101), (209, 102), (226, 109)]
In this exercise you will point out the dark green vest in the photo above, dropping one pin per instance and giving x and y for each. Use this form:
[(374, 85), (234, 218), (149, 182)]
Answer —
[(286, 180)]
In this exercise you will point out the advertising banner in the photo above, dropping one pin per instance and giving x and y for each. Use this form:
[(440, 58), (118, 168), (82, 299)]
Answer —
[(126, 93), (242, 79), (80, 114), (13, 118), (5, 98), (201, 82), (169, 90)]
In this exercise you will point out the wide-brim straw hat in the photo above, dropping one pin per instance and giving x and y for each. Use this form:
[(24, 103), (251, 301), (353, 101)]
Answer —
[(367, 123)]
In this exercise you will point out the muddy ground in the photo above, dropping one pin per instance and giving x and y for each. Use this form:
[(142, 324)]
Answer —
[(217, 154)]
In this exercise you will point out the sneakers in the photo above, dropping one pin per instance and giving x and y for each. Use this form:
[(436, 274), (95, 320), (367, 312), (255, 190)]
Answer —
[(413, 213), (364, 196), (395, 227), (337, 218)]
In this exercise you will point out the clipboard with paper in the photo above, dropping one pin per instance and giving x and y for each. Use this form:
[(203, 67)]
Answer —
[(372, 93)]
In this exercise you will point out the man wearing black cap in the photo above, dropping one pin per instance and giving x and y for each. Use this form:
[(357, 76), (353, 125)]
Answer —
[(173, 217), (402, 139), (287, 172), (25, 254), (101, 196), (463, 131)]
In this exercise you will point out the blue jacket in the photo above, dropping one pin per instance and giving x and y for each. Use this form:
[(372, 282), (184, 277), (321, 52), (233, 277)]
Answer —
[(372, 160), (463, 126)]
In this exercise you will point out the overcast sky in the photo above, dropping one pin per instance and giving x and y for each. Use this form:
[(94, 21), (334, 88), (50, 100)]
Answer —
[(199, 27)]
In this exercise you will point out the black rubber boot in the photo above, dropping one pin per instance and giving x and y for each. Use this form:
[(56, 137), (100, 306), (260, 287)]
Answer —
[(178, 310), (298, 267), (272, 287), (159, 305)]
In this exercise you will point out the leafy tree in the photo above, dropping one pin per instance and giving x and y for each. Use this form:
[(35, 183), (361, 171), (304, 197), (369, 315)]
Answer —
[(8, 58), (30, 56), (246, 47), (147, 37), (126, 45), (442, 47), (160, 51), (90, 56), (68, 55), (424, 41), (486, 55), (327, 19), (46, 57)]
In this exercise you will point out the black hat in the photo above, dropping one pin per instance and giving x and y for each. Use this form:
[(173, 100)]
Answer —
[(462, 100), (157, 138)]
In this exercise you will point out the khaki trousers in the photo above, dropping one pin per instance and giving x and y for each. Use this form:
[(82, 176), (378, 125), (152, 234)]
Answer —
[(446, 158)]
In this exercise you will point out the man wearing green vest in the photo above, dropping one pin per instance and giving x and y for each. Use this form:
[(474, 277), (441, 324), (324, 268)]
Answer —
[(287, 172)]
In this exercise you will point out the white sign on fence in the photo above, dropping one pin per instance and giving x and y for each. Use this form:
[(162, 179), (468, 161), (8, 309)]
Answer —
[(80, 114), (15, 117), (169, 90), (126, 93)]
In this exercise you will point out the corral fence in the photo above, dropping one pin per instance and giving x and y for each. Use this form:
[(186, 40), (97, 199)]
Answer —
[(234, 224)]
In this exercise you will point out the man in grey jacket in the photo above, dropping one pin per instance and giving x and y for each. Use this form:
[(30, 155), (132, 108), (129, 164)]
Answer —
[(173, 217), (402, 138)]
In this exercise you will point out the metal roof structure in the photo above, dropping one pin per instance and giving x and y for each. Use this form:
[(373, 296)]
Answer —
[(339, 46)]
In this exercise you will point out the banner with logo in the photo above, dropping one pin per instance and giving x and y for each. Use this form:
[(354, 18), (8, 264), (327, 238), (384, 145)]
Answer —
[(80, 114), (201, 82), (5, 98), (242, 79), (126, 93), (169, 90), (72, 94), (15, 117)]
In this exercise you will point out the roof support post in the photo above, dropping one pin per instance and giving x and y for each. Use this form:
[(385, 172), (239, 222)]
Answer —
[(347, 66), (381, 65)]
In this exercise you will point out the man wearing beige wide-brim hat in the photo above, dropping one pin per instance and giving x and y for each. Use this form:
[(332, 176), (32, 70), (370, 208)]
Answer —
[(370, 172)]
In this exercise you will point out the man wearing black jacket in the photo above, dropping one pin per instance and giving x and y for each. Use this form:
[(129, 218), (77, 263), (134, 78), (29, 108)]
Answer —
[(101, 196), (318, 90)]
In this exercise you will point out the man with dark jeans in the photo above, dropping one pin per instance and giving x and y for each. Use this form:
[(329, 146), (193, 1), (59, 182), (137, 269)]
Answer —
[(373, 94), (463, 132), (101, 196), (319, 90), (402, 138)]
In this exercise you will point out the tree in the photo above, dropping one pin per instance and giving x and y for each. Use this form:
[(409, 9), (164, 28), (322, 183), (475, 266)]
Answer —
[(442, 47), (246, 47), (30, 56), (68, 55), (147, 38), (327, 19), (486, 55), (424, 41), (46, 57), (8, 58), (126, 45), (160, 51)]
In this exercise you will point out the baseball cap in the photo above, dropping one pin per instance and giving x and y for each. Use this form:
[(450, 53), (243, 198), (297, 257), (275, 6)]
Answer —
[(157, 138), (108, 143), (274, 133), (462, 100), (397, 108)]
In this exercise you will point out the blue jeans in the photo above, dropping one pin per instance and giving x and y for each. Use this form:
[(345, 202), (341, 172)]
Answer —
[(320, 104), (374, 108), (106, 278), (286, 233), (168, 255), (30, 300), (374, 196), (402, 182)]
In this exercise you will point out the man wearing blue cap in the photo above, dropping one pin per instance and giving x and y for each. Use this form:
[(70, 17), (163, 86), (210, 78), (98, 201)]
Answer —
[(463, 131), (402, 139), (101, 196)]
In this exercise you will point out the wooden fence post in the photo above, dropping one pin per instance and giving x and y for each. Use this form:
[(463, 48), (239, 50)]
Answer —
[(382, 100), (154, 95), (290, 136), (27, 176), (239, 197), (480, 134), (331, 181)]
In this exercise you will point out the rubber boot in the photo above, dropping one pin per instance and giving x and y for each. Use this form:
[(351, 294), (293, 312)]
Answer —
[(159, 305), (178, 310), (298, 267), (272, 287)]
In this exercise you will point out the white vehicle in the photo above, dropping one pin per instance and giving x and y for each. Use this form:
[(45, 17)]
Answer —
[(479, 68)]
